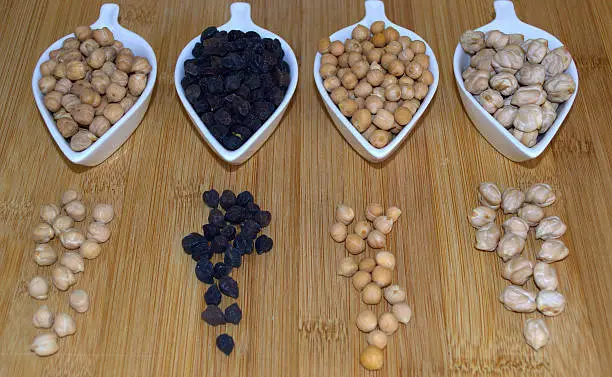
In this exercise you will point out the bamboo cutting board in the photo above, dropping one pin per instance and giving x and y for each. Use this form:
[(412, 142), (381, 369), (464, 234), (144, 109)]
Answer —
[(298, 314)]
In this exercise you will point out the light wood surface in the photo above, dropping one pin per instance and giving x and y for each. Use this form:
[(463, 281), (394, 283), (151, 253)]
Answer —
[(298, 314)]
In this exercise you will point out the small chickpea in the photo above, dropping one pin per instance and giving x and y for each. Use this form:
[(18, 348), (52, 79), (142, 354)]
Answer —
[(412, 105), (382, 276), (396, 68), (47, 68), (59, 71), (380, 138), (46, 84), (405, 41), (394, 294), (373, 104), (115, 92), (371, 294), (62, 223), (98, 232), (366, 47), (324, 44), (83, 114), (366, 321), (141, 65), (97, 58), (63, 86), (124, 59), (420, 90), (367, 133), (406, 55), (342, 60), (385, 259), (76, 210), (339, 94), (100, 83), (394, 48), (72, 238), (388, 323), (379, 40), (391, 106), (377, 27), (90, 97), (354, 244), (351, 45), (367, 264), (422, 59), (82, 140), (426, 78), (403, 116), (38, 288), (391, 34), (103, 36), (82, 32), (90, 249), (331, 83), (407, 92), (347, 267), (336, 48), (418, 47), (377, 339), (360, 33), (375, 77), (42, 233), (383, 119), (348, 107), (362, 228), (361, 279), (360, 69), (99, 125), (389, 80), (338, 232), (402, 312), (329, 59), (393, 93), (53, 101), (326, 70), (371, 358), (79, 300), (373, 210), (62, 278), (386, 60), (108, 68), (363, 89), (88, 46), (374, 55), (414, 70), (349, 80), (113, 112), (361, 120)]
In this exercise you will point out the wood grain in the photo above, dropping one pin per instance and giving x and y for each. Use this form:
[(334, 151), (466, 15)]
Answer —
[(298, 314)]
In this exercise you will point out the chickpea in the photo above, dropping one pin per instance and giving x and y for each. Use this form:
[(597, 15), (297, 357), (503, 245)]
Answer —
[(420, 90), (366, 47), (366, 321), (391, 106), (342, 72), (326, 70), (412, 105), (373, 104), (393, 93), (103, 36), (348, 107), (406, 55), (363, 89), (386, 60), (403, 116), (414, 70), (90, 97), (331, 83), (382, 276), (339, 94), (96, 58), (343, 60), (336, 48), (374, 55), (418, 47), (361, 279), (422, 59), (351, 45), (113, 112), (360, 33), (360, 69), (99, 125), (379, 91), (46, 84), (47, 68), (375, 77), (383, 119), (349, 80), (396, 68), (377, 27), (361, 120), (371, 294), (324, 44), (394, 48), (379, 40), (329, 59), (426, 78), (379, 139), (407, 92)]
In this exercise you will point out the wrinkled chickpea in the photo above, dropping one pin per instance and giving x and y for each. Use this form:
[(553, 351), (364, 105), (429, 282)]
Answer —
[(512, 200), (73, 261), (550, 228), (518, 299), (38, 288), (545, 276), (489, 195), (72, 239), (487, 237), (481, 216), (347, 267), (517, 226), (98, 232), (64, 325), (44, 255), (510, 245), (517, 270), (44, 344), (550, 303), (536, 333), (394, 294), (552, 251), (113, 112), (62, 223)]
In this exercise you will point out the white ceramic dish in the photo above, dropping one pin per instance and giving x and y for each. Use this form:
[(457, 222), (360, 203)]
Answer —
[(120, 131), (375, 11), (240, 19), (507, 22)]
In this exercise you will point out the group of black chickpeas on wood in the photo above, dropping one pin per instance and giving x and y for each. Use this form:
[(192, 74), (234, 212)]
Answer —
[(90, 83), (221, 236)]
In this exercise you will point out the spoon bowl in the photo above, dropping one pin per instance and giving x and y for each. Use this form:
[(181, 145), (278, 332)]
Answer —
[(500, 138), (375, 11), (108, 143), (240, 20)]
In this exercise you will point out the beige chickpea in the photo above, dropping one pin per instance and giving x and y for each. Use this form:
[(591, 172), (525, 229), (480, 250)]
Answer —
[(418, 47), (550, 303), (347, 267), (394, 213), (376, 239), (59, 71), (90, 249), (377, 338), (115, 92), (487, 237), (375, 77), (388, 323), (44, 255), (62, 278), (349, 80), (510, 245), (354, 244), (477, 81), (99, 126), (366, 321), (67, 127), (362, 229), (43, 318), (71, 55), (113, 112), (326, 70), (88, 46), (342, 72), (420, 90), (496, 39), (550, 228), (103, 36), (414, 70), (70, 195), (100, 83), (371, 294), (338, 232), (529, 139), (42, 233), (75, 209), (489, 195), (46, 84), (422, 60), (518, 299), (98, 232), (348, 107), (360, 69), (70, 101), (339, 94), (342, 61), (362, 119), (329, 59), (379, 40), (363, 89), (481, 216), (127, 102), (380, 138), (361, 279), (373, 104), (426, 78), (386, 60), (90, 97), (366, 47), (393, 48), (53, 100), (323, 45), (382, 276), (540, 194), (394, 294), (373, 210), (82, 140), (531, 213), (64, 325), (331, 83), (512, 200), (402, 312), (63, 86), (46, 344), (379, 92), (38, 288), (62, 223), (79, 300), (360, 33), (83, 113), (109, 68), (47, 68), (375, 55), (336, 48), (82, 32), (72, 239), (124, 60), (351, 45), (391, 107), (367, 264), (536, 333), (391, 34), (383, 119), (552, 251), (517, 270), (516, 225), (393, 93), (73, 261), (404, 41), (377, 27), (96, 58), (402, 116), (48, 212), (545, 276), (406, 55), (384, 224), (137, 83), (354, 58)]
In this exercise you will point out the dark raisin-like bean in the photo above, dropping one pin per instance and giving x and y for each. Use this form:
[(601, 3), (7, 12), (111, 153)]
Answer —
[(244, 198), (212, 295), (232, 83), (233, 61), (235, 214), (192, 93), (233, 314), (263, 109), (216, 217), (223, 117), (190, 242), (263, 218), (191, 67), (201, 251), (208, 33), (244, 245), (250, 229), (211, 198), (204, 271), (227, 199), (231, 142), (228, 287), (213, 316), (228, 232), (225, 343), (252, 207), (210, 231), (233, 257), (208, 118), (235, 34), (218, 244), (263, 244), (221, 269)]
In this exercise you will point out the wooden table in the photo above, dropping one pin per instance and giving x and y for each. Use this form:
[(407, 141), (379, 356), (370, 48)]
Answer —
[(298, 314)]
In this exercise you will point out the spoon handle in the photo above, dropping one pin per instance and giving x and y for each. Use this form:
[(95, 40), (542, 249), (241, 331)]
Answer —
[(109, 15), (240, 15), (374, 11), (504, 10)]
